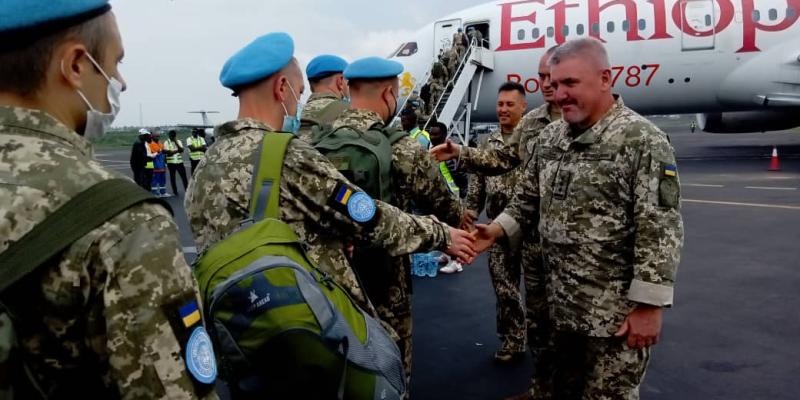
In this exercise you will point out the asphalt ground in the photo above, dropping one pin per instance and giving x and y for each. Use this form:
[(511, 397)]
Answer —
[(734, 332)]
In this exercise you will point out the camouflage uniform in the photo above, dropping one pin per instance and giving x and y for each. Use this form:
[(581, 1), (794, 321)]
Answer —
[(504, 263), (312, 109), (102, 315), (459, 40), (607, 202), (417, 185), (218, 201)]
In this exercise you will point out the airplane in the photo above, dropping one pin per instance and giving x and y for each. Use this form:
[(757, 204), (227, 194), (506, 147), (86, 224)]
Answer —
[(207, 126), (734, 63)]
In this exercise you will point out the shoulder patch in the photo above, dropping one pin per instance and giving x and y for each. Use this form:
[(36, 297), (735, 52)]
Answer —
[(361, 207), (200, 359)]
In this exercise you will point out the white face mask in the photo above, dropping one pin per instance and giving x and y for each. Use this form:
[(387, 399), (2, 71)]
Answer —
[(97, 123)]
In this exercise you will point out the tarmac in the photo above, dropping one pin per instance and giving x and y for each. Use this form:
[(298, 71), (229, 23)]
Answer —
[(734, 331)]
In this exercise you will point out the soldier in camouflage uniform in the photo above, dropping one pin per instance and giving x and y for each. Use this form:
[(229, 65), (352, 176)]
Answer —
[(417, 185), (325, 74), (460, 43), (100, 320), (495, 192), (217, 201), (604, 187)]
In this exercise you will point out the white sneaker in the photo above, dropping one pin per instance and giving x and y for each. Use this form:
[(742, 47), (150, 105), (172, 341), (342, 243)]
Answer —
[(451, 268)]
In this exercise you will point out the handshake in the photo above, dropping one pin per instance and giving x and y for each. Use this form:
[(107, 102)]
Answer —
[(471, 239)]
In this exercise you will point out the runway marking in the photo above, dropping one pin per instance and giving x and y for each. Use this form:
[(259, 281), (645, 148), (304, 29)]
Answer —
[(190, 250), (731, 203), (770, 188), (703, 185)]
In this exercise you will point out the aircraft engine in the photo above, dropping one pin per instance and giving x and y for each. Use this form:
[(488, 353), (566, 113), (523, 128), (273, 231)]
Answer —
[(749, 121)]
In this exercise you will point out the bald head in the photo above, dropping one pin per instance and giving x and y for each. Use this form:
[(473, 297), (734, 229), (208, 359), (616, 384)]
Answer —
[(270, 99), (587, 49)]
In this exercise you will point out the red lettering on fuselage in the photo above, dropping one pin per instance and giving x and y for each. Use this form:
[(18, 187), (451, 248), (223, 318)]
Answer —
[(656, 12)]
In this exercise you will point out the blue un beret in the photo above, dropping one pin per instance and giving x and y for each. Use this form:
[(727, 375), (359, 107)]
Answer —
[(324, 66), (24, 21), (373, 68), (258, 60)]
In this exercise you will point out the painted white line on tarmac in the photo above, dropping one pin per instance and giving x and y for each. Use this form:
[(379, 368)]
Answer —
[(702, 185), (770, 188), (731, 203), (190, 250)]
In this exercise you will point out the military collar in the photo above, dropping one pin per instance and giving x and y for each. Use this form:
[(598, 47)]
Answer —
[(497, 136), (42, 123), (593, 134), (320, 96), (238, 125), (366, 115), (541, 113)]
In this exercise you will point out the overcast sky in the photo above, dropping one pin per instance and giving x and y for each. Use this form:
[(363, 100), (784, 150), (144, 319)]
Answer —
[(175, 49)]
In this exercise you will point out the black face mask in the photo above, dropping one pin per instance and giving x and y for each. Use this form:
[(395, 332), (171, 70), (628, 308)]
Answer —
[(392, 111)]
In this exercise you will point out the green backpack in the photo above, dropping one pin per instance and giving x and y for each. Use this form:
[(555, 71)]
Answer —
[(281, 327), (364, 158), (324, 117)]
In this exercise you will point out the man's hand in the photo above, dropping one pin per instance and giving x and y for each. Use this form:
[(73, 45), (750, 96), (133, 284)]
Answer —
[(486, 235), (468, 220), (462, 247), (446, 152), (642, 326)]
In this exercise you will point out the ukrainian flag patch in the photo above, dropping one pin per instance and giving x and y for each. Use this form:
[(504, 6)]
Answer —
[(344, 195), (670, 170), (190, 314)]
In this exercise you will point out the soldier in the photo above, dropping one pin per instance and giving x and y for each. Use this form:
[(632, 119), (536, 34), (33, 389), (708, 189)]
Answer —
[(504, 263), (218, 198), (416, 185), (460, 43), (604, 185), (325, 74), (437, 90), (105, 318), (475, 36), (452, 63)]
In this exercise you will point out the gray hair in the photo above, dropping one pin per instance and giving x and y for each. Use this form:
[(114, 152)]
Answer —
[(589, 49)]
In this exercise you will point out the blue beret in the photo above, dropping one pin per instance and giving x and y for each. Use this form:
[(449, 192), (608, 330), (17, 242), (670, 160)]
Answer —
[(373, 68), (258, 60), (325, 65), (24, 21)]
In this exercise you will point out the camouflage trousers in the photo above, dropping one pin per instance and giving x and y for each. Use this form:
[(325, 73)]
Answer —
[(594, 368), (537, 316), (401, 323), (504, 268)]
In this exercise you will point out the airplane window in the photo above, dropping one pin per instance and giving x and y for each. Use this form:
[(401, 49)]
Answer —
[(551, 32), (756, 15), (579, 29), (610, 27), (565, 30), (642, 24), (407, 50), (773, 14), (596, 28), (521, 34), (790, 12), (626, 26), (535, 33)]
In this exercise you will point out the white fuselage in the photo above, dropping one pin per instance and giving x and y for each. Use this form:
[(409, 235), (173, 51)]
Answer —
[(668, 56)]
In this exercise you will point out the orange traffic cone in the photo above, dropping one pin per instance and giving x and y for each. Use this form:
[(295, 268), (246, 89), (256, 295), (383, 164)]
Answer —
[(775, 165)]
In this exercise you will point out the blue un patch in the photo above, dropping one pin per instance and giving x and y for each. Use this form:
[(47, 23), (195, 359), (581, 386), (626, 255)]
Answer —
[(200, 359), (361, 207)]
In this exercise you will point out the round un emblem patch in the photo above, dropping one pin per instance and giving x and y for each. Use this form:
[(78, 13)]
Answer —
[(361, 207), (200, 359)]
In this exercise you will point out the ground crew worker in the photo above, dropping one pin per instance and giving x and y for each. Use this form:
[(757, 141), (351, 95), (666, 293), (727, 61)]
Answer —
[(325, 74), (197, 147), (139, 159), (409, 120), (158, 186), (173, 149), (693, 126), (149, 157), (218, 197), (493, 193), (103, 318), (456, 180), (604, 186), (416, 185)]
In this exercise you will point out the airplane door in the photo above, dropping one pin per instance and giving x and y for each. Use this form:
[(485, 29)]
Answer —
[(699, 21), (443, 34)]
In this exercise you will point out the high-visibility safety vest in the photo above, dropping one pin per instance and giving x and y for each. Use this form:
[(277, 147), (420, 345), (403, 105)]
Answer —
[(195, 142), (448, 177), (423, 137), (176, 158)]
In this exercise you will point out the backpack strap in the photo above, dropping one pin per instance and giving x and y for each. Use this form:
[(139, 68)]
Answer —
[(80, 215), (267, 169)]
